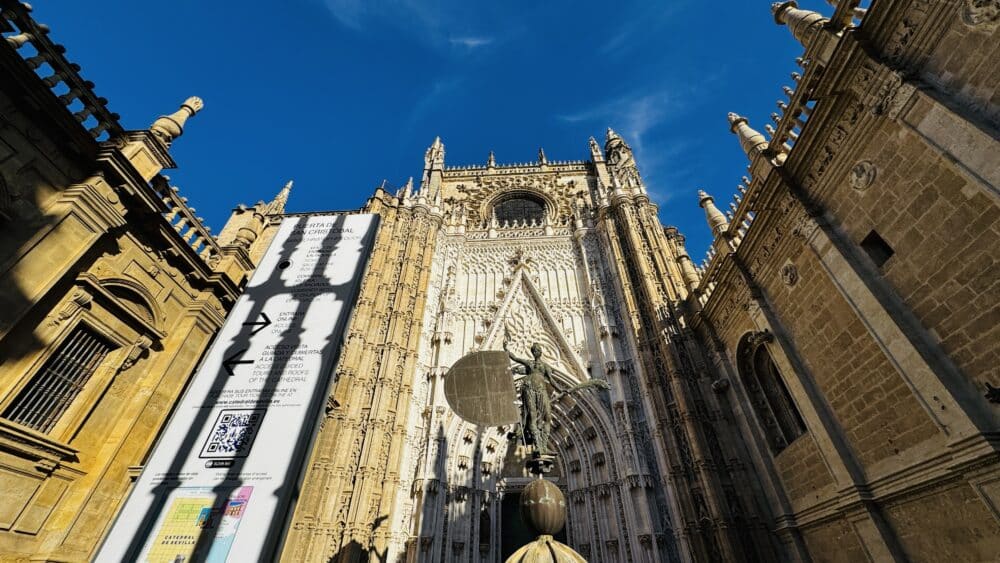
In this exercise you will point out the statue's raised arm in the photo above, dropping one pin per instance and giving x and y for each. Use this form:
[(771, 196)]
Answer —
[(526, 363)]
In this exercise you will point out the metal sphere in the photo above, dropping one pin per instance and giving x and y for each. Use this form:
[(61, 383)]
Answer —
[(543, 507)]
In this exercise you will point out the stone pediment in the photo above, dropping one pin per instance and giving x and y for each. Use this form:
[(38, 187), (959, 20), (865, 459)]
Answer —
[(523, 318)]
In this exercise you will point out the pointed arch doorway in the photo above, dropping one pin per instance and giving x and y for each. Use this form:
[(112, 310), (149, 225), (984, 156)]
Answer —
[(514, 533)]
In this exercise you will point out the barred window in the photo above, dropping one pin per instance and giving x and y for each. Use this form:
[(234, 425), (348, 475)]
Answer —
[(51, 391), (521, 210), (768, 395)]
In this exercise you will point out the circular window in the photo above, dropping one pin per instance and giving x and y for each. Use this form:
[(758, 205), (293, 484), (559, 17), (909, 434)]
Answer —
[(520, 209)]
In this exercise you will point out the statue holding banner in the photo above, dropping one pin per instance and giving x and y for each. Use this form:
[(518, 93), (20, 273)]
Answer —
[(536, 406), (480, 389)]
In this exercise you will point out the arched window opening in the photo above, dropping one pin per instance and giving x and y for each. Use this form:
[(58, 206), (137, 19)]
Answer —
[(769, 397), (520, 209)]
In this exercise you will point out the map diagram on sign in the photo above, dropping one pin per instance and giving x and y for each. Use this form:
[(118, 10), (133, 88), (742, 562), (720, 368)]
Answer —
[(189, 515)]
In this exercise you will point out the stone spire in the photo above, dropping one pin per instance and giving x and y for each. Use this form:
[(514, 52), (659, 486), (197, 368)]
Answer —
[(491, 162), (688, 273), (804, 24), (277, 205), (595, 151), (716, 220), (621, 163), (434, 157), (753, 142), (541, 156), (433, 176), (169, 127)]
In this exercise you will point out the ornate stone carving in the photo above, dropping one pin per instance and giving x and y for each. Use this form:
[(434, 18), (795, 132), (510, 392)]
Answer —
[(757, 338), (720, 385), (992, 393), (862, 175), (135, 352), (789, 274), (79, 300), (803, 225), (984, 13)]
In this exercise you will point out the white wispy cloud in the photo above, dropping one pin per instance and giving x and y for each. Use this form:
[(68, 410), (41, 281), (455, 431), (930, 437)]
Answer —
[(632, 116), (638, 22), (443, 25), (438, 92), (640, 118), (471, 42), (347, 12)]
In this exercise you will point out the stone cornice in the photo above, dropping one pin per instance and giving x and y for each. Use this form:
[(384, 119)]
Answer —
[(35, 445)]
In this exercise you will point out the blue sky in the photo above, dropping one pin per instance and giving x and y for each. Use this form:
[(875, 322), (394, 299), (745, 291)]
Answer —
[(339, 94)]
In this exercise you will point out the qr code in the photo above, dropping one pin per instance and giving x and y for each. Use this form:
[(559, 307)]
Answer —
[(233, 433)]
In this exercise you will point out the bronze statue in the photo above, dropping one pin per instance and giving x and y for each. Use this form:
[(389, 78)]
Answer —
[(536, 407)]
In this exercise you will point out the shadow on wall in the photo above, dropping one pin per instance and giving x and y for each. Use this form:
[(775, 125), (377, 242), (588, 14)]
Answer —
[(354, 553), (431, 497), (20, 222)]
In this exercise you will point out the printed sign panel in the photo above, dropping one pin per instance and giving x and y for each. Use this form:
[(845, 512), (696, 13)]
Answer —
[(219, 484)]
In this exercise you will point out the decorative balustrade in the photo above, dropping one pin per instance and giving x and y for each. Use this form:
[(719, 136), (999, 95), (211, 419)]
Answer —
[(789, 122), (521, 229), (30, 41), (185, 223), (515, 165), (848, 13)]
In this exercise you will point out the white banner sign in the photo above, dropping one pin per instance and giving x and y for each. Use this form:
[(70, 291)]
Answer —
[(219, 484)]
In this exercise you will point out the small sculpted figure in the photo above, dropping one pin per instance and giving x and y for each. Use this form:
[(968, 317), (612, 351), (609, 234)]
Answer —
[(536, 407)]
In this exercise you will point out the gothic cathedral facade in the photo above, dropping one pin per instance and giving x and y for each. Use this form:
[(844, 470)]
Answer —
[(570, 255), (821, 387)]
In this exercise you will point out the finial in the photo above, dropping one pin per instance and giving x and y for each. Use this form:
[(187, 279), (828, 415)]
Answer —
[(491, 161), (804, 24), (753, 142), (595, 151), (169, 127), (716, 220), (778, 10), (541, 156), (612, 135)]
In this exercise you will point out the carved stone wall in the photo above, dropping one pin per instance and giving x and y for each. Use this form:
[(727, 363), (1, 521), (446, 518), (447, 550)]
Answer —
[(521, 285)]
